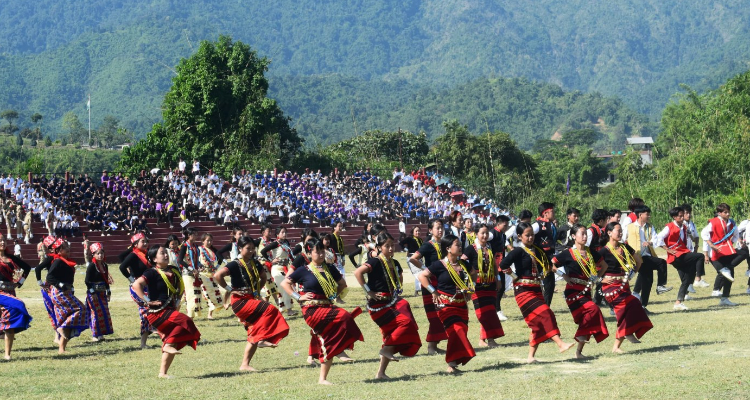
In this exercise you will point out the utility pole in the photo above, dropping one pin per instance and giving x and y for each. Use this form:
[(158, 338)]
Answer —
[(88, 105), (400, 159)]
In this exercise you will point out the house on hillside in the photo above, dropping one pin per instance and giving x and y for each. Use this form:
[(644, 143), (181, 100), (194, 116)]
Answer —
[(644, 146)]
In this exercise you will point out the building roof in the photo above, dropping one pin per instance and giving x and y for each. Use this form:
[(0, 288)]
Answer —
[(640, 140)]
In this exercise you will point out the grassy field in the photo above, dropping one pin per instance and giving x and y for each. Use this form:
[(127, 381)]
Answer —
[(701, 353)]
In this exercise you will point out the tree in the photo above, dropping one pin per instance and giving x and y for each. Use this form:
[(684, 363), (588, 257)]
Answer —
[(73, 126), (19, 140), (35, 118), (580, 137), (217, 112), (107, 132), (10, 116), (47, 141)]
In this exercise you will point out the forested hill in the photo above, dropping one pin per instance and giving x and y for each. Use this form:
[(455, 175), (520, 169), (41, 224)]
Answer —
[(53, 53)]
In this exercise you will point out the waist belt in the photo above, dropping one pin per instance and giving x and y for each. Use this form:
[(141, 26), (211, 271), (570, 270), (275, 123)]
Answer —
[(451, 299), (530, 281), (7, 286), (99, 287), (320, 302), (579, 281)]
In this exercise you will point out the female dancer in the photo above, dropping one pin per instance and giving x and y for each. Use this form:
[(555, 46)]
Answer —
[(531, 266), (98, 293), (481, 259), (191, 267), (45, 260), (231, 247), (455, 285), (622, 262), (71, 317), (14, 317), (264, 324), (279, 253), (579, 266), (173, 248), (431, 252), (411, 244), (210, 260), (388, 310), (271, 289), (165, 289), (134, 263), (334, 329)]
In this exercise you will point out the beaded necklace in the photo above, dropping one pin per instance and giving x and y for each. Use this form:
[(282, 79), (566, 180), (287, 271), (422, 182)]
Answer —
[(586, 263), (170, 288), (627, 263), (390, 272), (253, 276), (544, 262), (466, 286), (484, 276), (437, 249), (325, 280)]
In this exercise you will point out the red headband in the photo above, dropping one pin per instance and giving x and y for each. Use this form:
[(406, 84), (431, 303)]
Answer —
[(95, 247), (549, 209), (47, 242), (59, 242), (137, 237)]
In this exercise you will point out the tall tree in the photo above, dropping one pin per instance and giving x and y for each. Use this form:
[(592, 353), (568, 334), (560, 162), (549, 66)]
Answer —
[(10, 116), (73, 127), (217, 112), (35, 119)]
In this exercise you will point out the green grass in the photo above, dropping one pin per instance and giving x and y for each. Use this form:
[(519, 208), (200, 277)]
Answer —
[(702, 353)]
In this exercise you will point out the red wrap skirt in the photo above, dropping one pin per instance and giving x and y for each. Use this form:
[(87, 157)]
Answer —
[(537, 314), (631, 318), (484, 307), (586, 314), (333, 330), (174, 328), (397, 326), (455, 319), (435, 331), (263, 321)]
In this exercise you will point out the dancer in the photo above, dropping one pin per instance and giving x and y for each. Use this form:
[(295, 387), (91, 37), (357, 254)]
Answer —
[(70, 314), (279, 253), (411, 244), (134, 262), (162, 299), (498, 242), (333, 328), (719, 239), (482, 263), (675, 240), (545, 237), (98, 293), (387, 309), (209, 260), (431, 252), (455, 286), (622, 263), (14, 317), (45, 260), (694, 235), (641, 235), (582, 270), (264, 323), (531, 266), (191, 268)]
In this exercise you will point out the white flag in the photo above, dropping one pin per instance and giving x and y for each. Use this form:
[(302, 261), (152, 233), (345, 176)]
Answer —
[(88, 103)]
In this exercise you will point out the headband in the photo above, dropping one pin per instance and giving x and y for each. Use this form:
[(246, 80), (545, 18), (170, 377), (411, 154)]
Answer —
[(137, 237), (95, 247)]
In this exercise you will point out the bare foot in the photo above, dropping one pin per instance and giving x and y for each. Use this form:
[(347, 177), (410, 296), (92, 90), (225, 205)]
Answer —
[(247, 368), (566, 346), (324, 382), (56, 341), (581, 356), (382, 377), (345, 359), (388, 356), (483, 343), (631, 338), (95, 339), (531, 360), (312, 362), (435, 350), (7, 358), (60, 351), (617, 351), (453, 368), (226, 306), (492, 344), (264, 343), (165, 376)]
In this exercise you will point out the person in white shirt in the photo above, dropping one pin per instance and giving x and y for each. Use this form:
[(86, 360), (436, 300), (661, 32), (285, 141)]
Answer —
[(720, 238), (196, 167), (181, 166), (17, 249)]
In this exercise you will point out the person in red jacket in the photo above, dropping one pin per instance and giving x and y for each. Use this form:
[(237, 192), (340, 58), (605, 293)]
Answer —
[(675, 240)]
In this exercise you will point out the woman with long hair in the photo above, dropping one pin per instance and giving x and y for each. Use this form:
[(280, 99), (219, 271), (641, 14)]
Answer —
[(333, 328), (264, 324), (45, 260), (411, 244), (455, 286), (210, 260), (134, 262), (622, 263), (14, 317), (191, 268), (387, 309), (532, 265), (431, 252), (165, 289), (98, 293), (481, 259), (279, 253), (70, 313), (582, 270)]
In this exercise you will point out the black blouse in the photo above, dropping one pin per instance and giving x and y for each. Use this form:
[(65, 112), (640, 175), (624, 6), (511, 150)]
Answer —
[(239, 276), (93, 276), (613, 266), (411, 244), (136, 266), (473, 261), (377, 279), (20, 264), (60, 272), (523, 264), (157, 288), (309, 283), (572, 268), (445, 282), (45, 264), (429, 254)]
